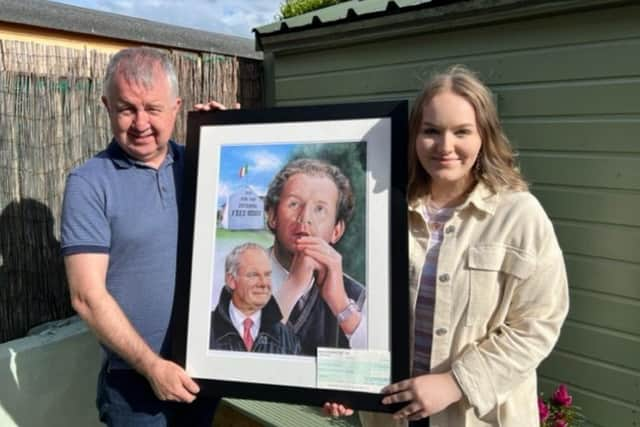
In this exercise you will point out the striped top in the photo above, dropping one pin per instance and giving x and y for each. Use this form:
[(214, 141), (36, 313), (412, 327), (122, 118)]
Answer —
[(423, 332)]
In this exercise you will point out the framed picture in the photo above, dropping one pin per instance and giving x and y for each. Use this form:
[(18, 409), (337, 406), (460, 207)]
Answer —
[(292, 260)]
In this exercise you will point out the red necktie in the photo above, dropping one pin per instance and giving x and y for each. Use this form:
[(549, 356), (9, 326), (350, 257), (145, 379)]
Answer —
[(246, 336)]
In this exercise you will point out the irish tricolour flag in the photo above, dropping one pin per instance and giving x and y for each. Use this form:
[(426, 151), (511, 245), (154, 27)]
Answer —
[(243, 170)]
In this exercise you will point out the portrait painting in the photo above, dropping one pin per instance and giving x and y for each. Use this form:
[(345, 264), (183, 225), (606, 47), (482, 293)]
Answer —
[(289, 246)]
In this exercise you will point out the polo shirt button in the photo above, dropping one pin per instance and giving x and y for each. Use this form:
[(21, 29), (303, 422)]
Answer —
[(441, 331), (444, 277), (450, 229)]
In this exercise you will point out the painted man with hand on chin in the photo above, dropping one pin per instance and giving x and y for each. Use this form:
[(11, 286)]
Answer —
[(308, 204)]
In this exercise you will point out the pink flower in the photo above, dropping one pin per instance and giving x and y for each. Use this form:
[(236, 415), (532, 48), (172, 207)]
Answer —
[(560, 422), (562, 397), (543, 410)]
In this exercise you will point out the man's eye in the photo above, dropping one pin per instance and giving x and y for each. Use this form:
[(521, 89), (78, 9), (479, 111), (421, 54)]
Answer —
[(293, 204)]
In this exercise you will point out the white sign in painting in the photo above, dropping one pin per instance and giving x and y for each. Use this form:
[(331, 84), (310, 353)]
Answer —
[(244, 210)]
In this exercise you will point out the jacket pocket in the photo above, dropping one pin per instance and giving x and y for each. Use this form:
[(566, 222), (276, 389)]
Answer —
[(491, 269)]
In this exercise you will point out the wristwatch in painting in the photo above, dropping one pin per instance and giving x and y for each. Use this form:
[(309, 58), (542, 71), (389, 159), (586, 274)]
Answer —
[(350, 310)]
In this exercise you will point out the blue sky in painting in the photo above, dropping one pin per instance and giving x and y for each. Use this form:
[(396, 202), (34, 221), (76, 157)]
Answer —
[(262, 161)]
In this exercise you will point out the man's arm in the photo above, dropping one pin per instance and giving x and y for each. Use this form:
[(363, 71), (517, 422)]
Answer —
[(86, 273)]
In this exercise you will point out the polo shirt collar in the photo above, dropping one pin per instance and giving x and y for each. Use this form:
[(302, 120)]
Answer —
[(122, 160)]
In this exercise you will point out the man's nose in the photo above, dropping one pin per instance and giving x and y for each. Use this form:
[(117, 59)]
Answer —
[(141, 121), (305, 214), (264, 281)]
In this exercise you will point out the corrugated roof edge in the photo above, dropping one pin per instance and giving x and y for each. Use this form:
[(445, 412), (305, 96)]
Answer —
[(347, 11), (62, 17), (333, 25)]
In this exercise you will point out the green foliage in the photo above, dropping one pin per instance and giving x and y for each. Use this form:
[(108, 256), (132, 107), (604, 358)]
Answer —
[(292, 8), (351, 159)]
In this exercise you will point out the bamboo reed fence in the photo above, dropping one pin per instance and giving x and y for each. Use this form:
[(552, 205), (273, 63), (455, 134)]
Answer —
[(51, 120)]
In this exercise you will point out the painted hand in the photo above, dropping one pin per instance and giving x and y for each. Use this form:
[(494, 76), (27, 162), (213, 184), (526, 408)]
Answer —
[(328, 272)]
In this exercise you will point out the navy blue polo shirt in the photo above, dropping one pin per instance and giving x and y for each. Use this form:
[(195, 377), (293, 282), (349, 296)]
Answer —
[(121, 207)]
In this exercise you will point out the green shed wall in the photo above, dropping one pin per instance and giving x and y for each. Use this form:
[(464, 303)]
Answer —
[(568, 89)]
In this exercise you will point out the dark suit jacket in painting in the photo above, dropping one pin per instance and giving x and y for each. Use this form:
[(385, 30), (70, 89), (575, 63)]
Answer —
[(315, 324), (273, 336)]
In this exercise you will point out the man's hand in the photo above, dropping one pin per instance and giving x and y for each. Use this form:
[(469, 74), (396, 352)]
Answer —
[(330, 278), (426, 394), (86, 274), (170, 382), (212, 106), (328, 271)]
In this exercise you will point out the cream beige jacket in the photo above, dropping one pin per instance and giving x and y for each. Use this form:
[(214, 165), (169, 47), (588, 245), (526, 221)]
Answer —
[(501, 298)]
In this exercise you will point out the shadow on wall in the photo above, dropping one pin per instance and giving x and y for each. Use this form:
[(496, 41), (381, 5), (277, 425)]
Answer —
[(33, 287)]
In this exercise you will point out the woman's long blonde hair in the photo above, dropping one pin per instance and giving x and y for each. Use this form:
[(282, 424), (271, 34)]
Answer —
[(496, 165)]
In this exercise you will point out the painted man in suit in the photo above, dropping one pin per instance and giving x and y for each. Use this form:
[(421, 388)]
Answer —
[(247, 318)]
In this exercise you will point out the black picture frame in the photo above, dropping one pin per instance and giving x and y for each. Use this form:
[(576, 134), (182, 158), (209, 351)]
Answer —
[(211, 132)]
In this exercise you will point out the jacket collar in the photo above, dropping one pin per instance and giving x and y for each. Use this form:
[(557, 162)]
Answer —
[(482, 198), (270, 314)]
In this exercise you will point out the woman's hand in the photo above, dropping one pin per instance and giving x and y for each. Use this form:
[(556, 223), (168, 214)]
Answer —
[(426, 394), (333, 409)]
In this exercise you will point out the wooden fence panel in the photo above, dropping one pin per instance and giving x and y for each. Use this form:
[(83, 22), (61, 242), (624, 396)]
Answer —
[(52, 120)]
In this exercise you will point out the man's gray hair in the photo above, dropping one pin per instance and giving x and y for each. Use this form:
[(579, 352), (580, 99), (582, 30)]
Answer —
[(313, 167), (137, 65), (232, 261)]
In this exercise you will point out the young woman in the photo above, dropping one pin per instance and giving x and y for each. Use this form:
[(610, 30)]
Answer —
[(488, 285)]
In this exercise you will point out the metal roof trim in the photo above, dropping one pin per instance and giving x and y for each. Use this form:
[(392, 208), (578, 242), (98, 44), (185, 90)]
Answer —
[(417, 18), (350, 10)]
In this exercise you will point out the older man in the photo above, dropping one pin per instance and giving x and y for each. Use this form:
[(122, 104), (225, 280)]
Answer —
[(119, 239), (247, 317), (308, 204)]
